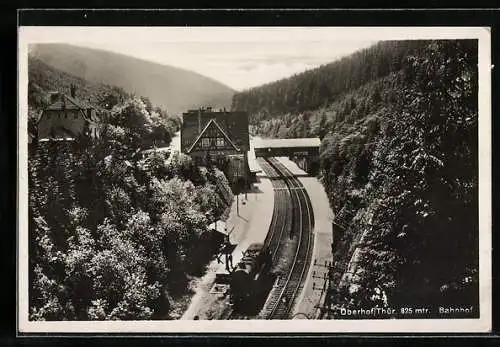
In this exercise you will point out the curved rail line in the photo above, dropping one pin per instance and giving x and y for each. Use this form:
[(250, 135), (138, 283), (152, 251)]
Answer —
[(292, 216), (280, 304), (282, 214), (281, 220)]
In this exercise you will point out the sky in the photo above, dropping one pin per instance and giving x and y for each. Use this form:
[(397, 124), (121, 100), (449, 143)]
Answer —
[(240, 65), (240, 57)]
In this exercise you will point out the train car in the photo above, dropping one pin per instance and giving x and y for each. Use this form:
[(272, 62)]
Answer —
[(246, 279)]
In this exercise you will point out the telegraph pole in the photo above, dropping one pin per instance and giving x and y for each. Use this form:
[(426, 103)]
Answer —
[(245, 166)]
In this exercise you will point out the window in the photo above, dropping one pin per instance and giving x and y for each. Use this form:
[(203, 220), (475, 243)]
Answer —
[(220, 142), (205, 142)]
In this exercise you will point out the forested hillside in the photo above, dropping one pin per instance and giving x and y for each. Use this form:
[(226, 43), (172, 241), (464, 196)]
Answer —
[(43, 79), (173, 89), (102, 217), (112, 228), (399, 162), (318, 87)]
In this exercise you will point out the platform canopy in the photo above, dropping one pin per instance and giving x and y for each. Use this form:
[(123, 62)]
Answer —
[(288, 143), (308, 147), (253, 166)]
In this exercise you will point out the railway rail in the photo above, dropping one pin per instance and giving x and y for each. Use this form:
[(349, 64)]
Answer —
[(282, 299), (292, 218), (281, 220)]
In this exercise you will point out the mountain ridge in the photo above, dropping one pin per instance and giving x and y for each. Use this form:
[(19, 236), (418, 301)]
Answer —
[(174, 88)]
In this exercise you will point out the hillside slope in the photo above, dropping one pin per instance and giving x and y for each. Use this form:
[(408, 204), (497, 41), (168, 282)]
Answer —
[(399, 162), (43, 79), (172, 88), (318, 87)]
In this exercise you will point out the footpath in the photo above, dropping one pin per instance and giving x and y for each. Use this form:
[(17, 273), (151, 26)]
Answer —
[(313, 293)]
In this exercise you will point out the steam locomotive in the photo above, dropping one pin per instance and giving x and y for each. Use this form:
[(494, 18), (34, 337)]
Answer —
[(247, 278)]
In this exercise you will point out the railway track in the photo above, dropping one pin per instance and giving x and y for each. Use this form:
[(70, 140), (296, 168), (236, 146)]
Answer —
[(292, 218), (282, 299), (281, 220)]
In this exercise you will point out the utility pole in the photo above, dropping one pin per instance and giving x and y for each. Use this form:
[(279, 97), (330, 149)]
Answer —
[(245, 168), (216, 210)]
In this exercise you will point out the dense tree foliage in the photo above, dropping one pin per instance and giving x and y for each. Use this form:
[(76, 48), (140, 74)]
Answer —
[(43, 79), (406, 185), (317, 87), (399, 159), (113, 228)]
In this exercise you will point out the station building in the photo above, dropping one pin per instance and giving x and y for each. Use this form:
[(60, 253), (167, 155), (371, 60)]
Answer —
[(220, 137)]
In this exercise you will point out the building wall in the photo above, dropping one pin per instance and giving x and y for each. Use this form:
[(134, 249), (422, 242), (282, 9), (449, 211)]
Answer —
[(237, 167), (53, 119), (71, 119), (235, 124), (93, 126)]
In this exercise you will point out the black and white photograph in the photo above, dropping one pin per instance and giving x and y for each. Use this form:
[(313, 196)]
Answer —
[(307, 179)]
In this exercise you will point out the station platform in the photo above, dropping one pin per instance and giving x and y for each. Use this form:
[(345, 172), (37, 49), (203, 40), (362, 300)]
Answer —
[(251, 223), (253, 165), (311, 299), (248, 222)]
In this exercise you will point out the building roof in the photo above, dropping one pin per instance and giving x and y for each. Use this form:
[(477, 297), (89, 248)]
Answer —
[(214, 122), (66, 102), (157, 149), (57, 139), (280, 143), (219, 226), (253, 166), (233, 124)]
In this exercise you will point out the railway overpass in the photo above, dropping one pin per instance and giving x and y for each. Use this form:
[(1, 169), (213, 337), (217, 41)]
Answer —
[(303, 151), (287, 147)]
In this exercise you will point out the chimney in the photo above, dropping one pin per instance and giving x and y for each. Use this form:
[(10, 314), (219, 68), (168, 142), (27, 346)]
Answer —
[(72, 88)]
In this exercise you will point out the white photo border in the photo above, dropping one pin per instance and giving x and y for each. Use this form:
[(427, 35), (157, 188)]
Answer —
[(30, 35)]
